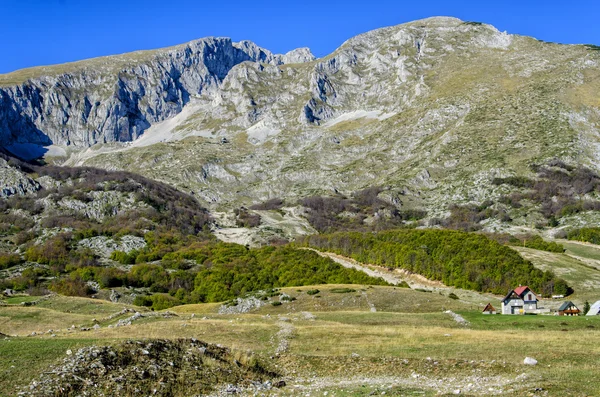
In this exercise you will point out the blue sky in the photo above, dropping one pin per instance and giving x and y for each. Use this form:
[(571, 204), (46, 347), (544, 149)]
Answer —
[(42, 32)]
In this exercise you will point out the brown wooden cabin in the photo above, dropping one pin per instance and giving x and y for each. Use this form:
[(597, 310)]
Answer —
[(568, 308), (489, 309)]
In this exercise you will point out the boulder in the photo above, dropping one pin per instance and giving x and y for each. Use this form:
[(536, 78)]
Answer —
[(530, 361)]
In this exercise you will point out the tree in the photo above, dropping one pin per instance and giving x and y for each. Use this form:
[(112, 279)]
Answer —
[(586, 307)]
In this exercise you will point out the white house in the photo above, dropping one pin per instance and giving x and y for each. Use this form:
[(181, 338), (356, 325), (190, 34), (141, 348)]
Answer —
[(520, 300), (594, 310)]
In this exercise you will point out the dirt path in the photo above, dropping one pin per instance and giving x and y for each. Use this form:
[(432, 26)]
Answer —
[(415, 281), (352, 264), (393, 277), (475, 384)]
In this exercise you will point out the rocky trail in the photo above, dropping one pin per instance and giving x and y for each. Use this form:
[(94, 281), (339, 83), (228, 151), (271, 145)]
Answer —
[(414, 281)]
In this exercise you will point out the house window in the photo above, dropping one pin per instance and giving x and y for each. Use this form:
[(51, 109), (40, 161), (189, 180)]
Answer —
[(529, 297)]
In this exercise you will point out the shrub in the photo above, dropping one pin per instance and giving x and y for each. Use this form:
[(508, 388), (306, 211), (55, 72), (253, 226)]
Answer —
[(272, 204), (9, 260), (586, 234), (312, 291), (538, 243), (246, 219), (452, 295), (142, 300), (124, 257), (55, 251), (72, 286), (276, 303), (156, 302), (342, 290)]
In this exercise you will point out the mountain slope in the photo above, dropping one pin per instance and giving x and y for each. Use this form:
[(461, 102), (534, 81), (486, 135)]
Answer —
[(432, 110)]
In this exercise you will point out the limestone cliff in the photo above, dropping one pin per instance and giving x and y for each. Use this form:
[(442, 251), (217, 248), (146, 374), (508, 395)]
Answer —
[(115, 99)]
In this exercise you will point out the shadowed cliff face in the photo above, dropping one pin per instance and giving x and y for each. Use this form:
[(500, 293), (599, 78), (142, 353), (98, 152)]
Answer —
[(117, 98)]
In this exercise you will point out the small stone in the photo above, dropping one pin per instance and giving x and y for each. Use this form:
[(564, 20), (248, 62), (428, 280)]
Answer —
[(69, 352), (530, 361)]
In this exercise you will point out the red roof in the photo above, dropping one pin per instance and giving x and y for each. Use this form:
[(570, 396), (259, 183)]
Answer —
[(520, 290)]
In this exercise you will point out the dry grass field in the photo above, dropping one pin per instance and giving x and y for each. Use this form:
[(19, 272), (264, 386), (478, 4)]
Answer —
[(343, 340)]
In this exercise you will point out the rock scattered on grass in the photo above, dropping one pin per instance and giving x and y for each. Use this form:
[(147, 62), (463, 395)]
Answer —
[(156, 367), (457, 317), (242, 305)]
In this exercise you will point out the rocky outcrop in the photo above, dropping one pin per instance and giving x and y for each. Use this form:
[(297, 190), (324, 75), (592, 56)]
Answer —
[(117, 98), (13, 181), (151, 367), (104, 246)]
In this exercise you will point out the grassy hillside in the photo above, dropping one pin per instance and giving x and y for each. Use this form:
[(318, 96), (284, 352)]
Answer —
[(334, 342), (579, 266)]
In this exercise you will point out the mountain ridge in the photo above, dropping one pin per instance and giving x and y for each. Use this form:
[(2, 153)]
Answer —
[(432, 111), (116, 98)]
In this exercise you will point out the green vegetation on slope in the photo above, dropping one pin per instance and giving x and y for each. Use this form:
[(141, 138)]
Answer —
[(459, 259), (191, 269), (91, 202), (526, 240), (227, 271), (586, 234)]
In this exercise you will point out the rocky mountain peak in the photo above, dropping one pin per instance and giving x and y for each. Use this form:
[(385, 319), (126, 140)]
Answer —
[(117, 98), (414, 107)]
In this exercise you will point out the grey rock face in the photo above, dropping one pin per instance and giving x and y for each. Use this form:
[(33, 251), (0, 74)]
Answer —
[(13, 181), (299, 55), (117, 98), (104, 246)]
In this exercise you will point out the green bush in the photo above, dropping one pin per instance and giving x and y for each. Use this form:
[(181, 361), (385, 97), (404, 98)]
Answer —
[(54, 251), (9, 260), (156, 302), (538, 243), (124, 257), (276, 303), (229, 276), (142, 300), (342, 290), (226, 271), (312, 291), (586, 234), (71, 286)]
